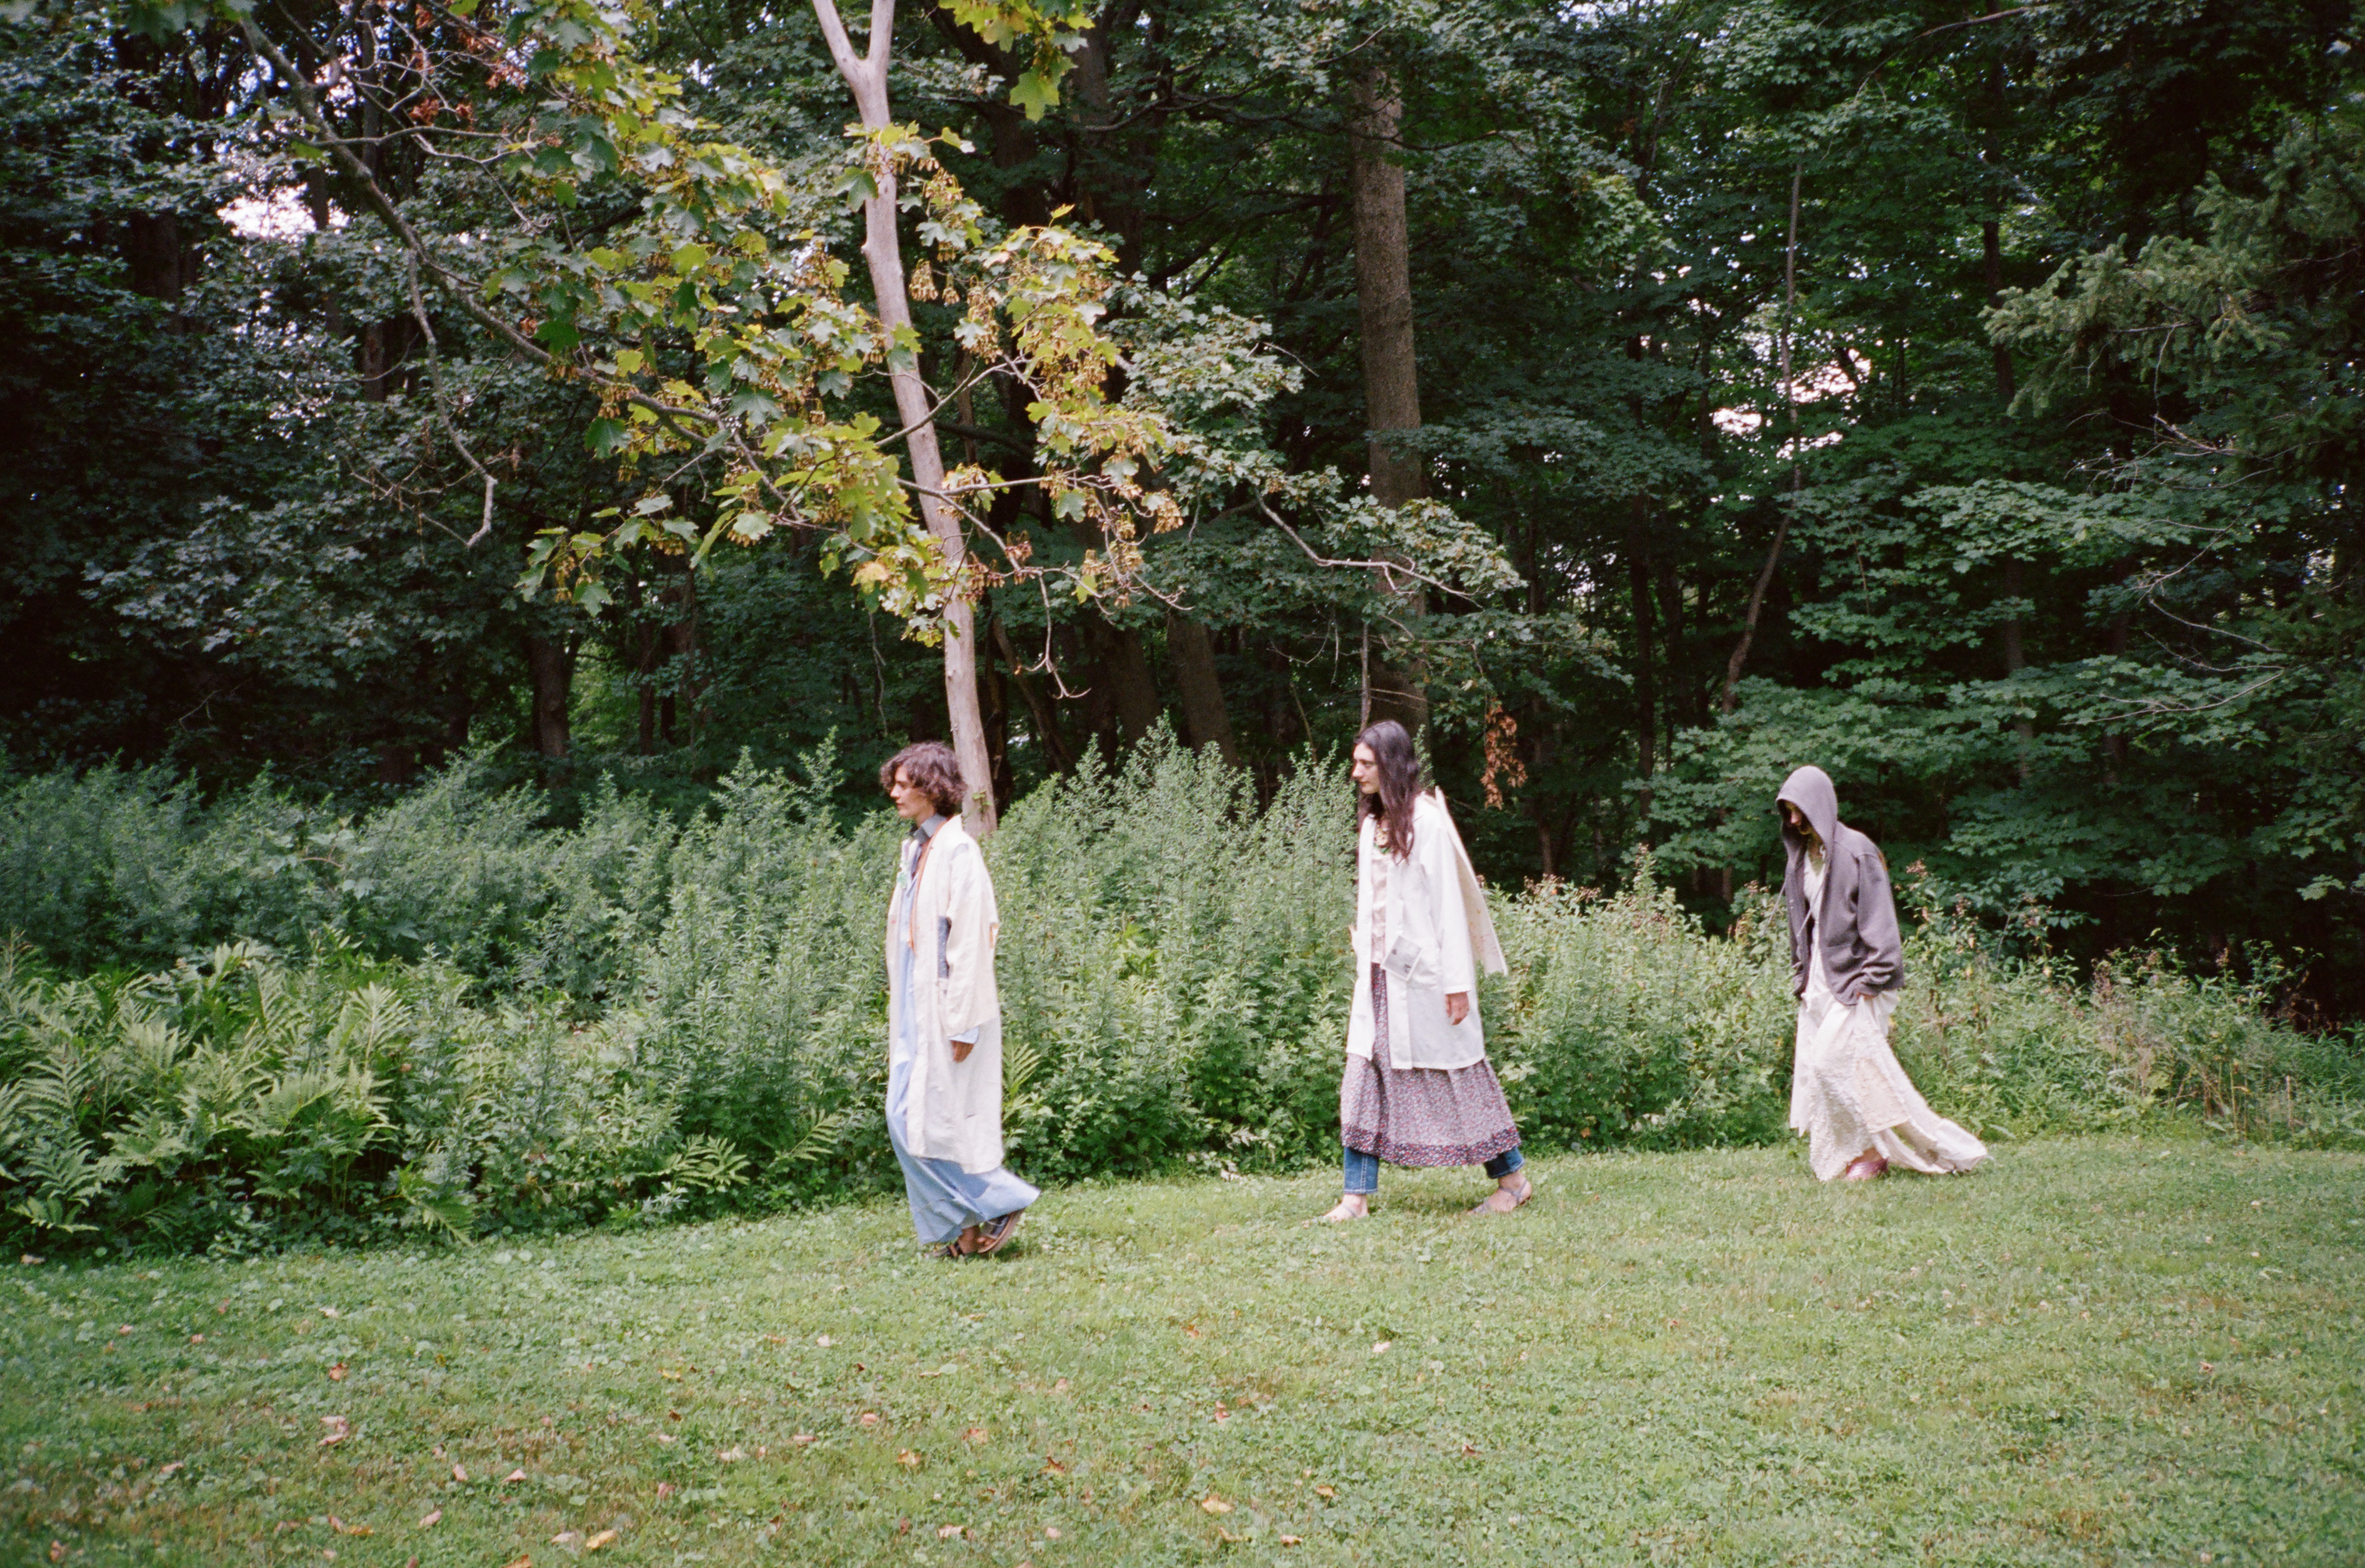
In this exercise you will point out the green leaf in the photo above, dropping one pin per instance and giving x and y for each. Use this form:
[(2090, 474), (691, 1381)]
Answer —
[(605, 436)]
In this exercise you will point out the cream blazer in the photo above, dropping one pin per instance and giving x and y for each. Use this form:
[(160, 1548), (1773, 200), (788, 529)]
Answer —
[(1438, 934), (954, 1110)]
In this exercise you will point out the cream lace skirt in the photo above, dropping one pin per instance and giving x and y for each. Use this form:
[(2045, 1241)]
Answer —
[(1849, 1095)]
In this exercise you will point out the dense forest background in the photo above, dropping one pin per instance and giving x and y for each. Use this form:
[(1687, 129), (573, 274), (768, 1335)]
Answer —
[(1967, 402)]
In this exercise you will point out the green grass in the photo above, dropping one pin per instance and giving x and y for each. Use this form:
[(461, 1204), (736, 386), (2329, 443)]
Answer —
[(2100, 1350)]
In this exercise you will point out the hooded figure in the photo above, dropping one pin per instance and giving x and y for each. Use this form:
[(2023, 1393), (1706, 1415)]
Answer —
[(1859, 1112)]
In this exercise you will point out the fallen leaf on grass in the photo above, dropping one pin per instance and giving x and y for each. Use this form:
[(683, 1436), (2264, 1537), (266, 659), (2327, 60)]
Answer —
[(337, 1373), (430, 1519), (732, 1455), (125, 1330), (327, 1312), (662, 1437), (1380, 1346), (341, 1528), (974, 1435), (520, 1561), (459, 1473), (196, 1338), (567, 1538), (1226, 1535), (1060, 1386), (1469, 1450), (1325, 1491), (951, 1532), (823, 1340), (801, 1439), (57, 1548), (1292, 1540), (669, 1376), (1053, 1467), (512, 1476), (605, 1538), (1050, 1533), (667, 1489), (169, 1471), (868, 1417), (1215, 1505), (907, 1458), (338, 1430)]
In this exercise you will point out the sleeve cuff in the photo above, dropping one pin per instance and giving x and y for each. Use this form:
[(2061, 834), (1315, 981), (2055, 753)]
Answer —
[(966, 1037)]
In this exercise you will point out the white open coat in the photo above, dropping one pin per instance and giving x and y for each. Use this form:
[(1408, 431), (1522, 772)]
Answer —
[(954, 1111), (1439, 933)]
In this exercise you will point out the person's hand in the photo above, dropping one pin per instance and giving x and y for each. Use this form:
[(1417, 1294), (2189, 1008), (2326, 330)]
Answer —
[(1457, 1007), (961, 1049)]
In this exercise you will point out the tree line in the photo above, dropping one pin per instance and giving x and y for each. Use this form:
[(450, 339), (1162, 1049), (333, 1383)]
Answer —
[(1639, 398)]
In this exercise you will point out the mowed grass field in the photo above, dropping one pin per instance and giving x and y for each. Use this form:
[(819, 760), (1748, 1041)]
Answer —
[(2096, 1351)]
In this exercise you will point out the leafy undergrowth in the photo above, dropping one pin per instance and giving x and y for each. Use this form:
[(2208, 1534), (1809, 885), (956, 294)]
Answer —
[(2104, 1350)]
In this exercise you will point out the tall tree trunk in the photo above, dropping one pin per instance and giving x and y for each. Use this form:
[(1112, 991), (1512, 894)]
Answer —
[(865, 77), (1646, 701), (1991, 244), (1791, 402), (1204, 719), (1383, 302), (550, 663)]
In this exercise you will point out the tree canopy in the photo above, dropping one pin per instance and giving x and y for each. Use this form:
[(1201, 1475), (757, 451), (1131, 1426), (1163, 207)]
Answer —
[(1642, 398)]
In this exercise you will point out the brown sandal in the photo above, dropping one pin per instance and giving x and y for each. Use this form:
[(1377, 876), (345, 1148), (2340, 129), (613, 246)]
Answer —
[(1486, 1204), (994, 1233)]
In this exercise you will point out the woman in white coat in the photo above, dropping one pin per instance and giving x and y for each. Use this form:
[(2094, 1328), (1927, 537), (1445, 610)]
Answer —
[(1418, 1088), (944, 1018)]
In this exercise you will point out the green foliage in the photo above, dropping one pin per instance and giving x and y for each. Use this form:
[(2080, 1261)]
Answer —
[(466, 1021)]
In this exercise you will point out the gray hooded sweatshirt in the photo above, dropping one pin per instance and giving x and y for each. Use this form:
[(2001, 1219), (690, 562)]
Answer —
[(1857, 922)]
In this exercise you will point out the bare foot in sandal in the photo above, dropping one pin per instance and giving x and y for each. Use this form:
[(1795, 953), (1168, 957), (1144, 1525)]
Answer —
[(1508, 1193), (1350, 1207)]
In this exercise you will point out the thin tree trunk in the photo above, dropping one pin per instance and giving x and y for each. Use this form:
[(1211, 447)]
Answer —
[(1391, 382), (865, 77), (1040, 709), (1790, 403), (1646, 703), (1204, 718)]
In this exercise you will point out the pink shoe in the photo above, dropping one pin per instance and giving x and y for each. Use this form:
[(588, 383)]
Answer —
[(1866, 1169)]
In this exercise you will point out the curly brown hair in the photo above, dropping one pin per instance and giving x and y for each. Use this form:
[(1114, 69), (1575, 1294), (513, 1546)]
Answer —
[(933, 769)]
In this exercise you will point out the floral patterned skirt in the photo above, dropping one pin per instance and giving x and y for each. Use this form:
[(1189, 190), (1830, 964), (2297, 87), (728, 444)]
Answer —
[(1418, 1116)]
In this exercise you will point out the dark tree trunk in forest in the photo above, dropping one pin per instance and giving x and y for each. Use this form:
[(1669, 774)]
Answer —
[(1204, 722), (1646, 701), (1125, 671), (1383, 302), (551, 664), (1043, 714)]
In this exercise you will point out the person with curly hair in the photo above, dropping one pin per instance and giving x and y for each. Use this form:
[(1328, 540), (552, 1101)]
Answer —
[(944, 1017)]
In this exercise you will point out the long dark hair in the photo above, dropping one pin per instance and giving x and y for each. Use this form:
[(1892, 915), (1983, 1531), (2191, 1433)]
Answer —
[(1400, 785)]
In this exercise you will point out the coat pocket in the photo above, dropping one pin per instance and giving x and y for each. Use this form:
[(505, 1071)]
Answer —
[(1412, 964)]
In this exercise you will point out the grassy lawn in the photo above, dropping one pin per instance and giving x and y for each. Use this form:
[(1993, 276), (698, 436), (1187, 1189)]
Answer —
[(2113, 1350)]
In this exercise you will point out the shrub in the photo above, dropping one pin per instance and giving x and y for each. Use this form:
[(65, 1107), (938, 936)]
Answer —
[(449, 1016)]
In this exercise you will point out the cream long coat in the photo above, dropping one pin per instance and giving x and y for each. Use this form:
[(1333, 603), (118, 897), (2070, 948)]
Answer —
[(1438, 931), (954, 1110)]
